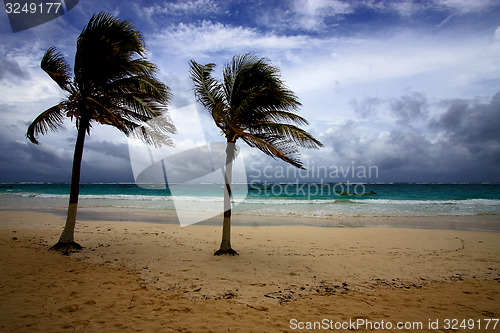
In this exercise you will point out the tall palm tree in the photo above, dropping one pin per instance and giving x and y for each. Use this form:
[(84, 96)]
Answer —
[(253, 104), (113, 84)]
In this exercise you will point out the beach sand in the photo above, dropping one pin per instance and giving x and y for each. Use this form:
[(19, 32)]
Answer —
[(146, 277)]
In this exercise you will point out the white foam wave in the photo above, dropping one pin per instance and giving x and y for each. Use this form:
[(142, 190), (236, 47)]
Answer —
[(95, 196), (484, 202), (272, 201)]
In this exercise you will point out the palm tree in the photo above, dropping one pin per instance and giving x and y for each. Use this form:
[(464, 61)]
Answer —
[(254, 105), (113, 84)]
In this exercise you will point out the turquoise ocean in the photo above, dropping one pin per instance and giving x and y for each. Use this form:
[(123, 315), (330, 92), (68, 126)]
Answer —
[(321, 201)]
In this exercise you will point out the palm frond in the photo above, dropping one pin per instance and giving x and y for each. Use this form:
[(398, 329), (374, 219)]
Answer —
[(104, 28), (288, 132), (281, 115), (142, 67), (57, 68), (141, 108), (106, 50), (256, 92), (103, 113), (274, 147), (148, 124), (50, 119), (137, 86), (153, 132), (207, 89), (232, 74)]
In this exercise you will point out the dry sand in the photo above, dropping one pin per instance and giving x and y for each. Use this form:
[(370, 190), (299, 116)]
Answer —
[(163, 278)]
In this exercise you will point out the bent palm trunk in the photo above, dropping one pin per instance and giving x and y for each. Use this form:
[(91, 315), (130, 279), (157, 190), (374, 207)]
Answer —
[(67, 242), (225, 246)]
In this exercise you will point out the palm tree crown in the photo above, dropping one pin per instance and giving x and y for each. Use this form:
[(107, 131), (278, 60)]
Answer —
[(252, 103), (113, 83)]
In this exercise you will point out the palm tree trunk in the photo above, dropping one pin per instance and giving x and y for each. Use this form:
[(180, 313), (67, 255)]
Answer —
[(225, 246), (67, 240)]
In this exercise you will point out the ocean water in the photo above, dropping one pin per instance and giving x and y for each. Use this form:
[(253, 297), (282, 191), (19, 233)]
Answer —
[(317, 200)]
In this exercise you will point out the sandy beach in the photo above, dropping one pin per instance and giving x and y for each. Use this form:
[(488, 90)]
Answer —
[(147, 277)]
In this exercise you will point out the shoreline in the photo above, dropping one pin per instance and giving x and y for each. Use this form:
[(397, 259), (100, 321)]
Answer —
[(486, 223), (163, 277)]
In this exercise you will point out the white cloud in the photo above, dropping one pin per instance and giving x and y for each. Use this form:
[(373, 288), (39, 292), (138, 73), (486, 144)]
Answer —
[(212, 38), (185, 7), (32, 83), (154, 12), (311, 13), (403, 57), (408, 8), (310, 64), (404, 8), (466, 7)]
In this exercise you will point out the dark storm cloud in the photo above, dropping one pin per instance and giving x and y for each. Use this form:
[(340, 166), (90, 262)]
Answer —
[(410, 107), (346, 141), (471, 123), (411, 147), (119, 150), (105, 161), (462, 144), (402, 151), (474, 127), (22, 161)]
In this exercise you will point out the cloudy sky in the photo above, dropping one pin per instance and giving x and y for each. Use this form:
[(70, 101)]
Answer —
[(409, 87)]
